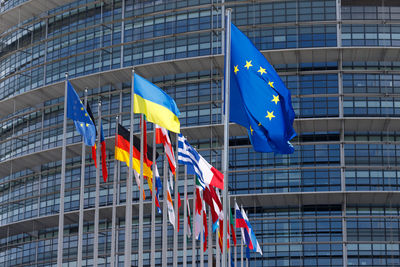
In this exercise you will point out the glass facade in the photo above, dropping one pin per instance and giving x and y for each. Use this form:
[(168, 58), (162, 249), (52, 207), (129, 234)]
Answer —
[(333, 202)]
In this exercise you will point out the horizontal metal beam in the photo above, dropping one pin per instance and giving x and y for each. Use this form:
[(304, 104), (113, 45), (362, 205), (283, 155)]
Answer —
[(37, 96), (262, 200)]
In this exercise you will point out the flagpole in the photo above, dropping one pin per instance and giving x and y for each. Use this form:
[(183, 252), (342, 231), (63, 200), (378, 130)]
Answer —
[(229, 251), (97, 198), (114, 209), (193, 225), (225, 159), (164, 222), (202, 233), (141, 189), (128, 210), (217, 251), (175, 258), (62, 185), (241, 250), (185, 217), (153, 205), (82, 195), (210, 238), (234, 229)]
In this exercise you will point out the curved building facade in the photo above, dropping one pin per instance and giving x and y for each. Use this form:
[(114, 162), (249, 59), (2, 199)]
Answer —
[(334, 202)]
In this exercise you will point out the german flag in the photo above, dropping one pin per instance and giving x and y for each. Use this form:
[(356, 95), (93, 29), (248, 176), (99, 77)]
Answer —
[(122, 152)]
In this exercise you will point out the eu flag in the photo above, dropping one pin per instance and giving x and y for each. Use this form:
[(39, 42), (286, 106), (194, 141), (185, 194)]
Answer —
[(259, 100), (77, 112)]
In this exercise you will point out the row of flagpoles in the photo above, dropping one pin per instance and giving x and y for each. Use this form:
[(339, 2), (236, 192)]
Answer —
[(264, 109)]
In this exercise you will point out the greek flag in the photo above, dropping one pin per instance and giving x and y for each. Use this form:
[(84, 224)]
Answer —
[(207, 174)]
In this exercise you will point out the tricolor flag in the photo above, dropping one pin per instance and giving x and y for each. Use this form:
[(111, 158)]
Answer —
[(103, 146), (247, 231), (122, 151), (163, 138), (207, 174), (233, 227), (198, 224), (153, 102)]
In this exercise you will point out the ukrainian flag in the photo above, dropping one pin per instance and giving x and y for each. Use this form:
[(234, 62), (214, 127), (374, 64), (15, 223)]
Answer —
[(153, 102)]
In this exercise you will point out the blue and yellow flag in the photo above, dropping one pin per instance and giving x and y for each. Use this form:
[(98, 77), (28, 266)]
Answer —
[(259, 100), (153, 102), (77, 112)]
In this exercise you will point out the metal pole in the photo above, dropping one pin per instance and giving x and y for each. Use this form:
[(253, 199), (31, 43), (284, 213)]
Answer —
[(141, 189), (114, 205), (175, 259), (241, 250), (153, 205), (225, 163), (82, 196), (193, 225), (62, 185), (97, 198), (185, 222), (128, 211), (217, 251), (165, 210), (234, 229), (210, 238), (202, 233)]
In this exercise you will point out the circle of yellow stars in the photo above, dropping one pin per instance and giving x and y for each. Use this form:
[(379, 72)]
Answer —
[(275, 98)]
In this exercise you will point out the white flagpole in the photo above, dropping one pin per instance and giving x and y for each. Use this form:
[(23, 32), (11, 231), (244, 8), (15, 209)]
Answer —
[(175, 258), (217, 251), (193, 225), (202, 233), (225, 159), (114, 206), (165, 210), (241, 250), (153, 205), (185, 222), (236, 236), (128, 211), (82, 195), (140, 252), (97, 198), (60, 244), (210, 238)]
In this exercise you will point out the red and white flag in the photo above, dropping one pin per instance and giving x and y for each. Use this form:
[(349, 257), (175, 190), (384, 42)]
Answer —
[(163, 138)]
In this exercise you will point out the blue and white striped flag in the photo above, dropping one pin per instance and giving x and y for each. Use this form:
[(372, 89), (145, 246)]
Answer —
[(207, 174)]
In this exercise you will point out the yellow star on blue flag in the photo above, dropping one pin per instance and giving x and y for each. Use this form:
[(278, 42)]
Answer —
[(261, 101), (77, 112)]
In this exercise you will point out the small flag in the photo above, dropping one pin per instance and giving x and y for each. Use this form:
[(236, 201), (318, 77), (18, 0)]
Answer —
[(259, 100), (247, 231), (103, 146), (179, 206), (233, 227), (158, 189), (197, 217), (170, 206), (153, 102), (206, 173), (163, 138), (77, 112)]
